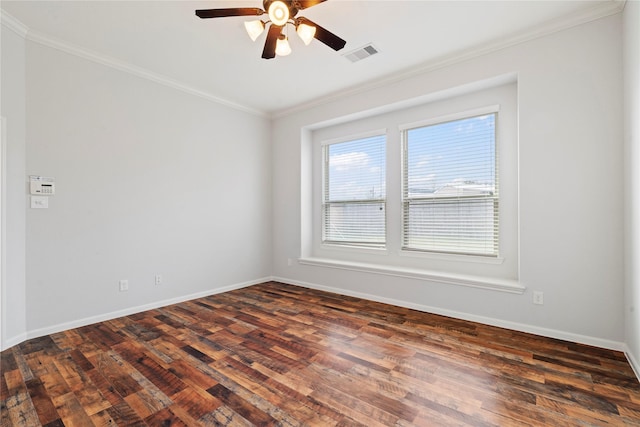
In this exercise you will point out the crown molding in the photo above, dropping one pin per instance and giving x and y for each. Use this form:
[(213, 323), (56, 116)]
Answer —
[(45, 40), (598, 11), (601, 10), (48, 41), (13, 24)]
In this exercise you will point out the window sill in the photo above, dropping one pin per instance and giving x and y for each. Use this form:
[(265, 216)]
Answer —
[(501, 285), (374, 250), (451, 257)]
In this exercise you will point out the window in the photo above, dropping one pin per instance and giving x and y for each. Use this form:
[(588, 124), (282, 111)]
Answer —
[(354, 192), (449, 211), (450, 187)]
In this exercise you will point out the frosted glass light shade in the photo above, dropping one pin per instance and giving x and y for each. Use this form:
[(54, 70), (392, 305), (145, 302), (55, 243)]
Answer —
[(254, 28), (278, 13), (282, 47), (306, 32)]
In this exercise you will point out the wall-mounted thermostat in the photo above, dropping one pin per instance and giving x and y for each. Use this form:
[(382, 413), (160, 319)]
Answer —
[(42, 185)]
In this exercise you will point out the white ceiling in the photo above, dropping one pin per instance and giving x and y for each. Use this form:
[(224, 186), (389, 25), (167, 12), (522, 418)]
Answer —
[(215, 57)]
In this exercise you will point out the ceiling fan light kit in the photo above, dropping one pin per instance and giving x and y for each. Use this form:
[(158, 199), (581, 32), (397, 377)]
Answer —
[(281, 13), (282, 46), (306, 33), (254, 28)]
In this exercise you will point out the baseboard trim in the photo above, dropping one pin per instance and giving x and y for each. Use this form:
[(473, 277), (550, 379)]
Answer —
[(133, 310), (521, 327), (13, 341), (632, 361)]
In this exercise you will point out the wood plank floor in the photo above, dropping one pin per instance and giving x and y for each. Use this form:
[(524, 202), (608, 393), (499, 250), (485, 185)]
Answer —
[(275, 354)]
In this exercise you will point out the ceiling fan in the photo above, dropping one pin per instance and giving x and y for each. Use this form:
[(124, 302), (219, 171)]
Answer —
[(281, 13)]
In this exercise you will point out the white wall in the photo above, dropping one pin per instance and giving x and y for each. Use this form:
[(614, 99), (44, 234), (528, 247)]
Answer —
[(631, 44), (571, 233), (149, 180), (13, 109)]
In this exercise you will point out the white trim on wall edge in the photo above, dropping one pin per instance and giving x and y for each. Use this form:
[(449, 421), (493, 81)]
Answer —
[(632, 361), (556, 25), (515, 326), (46, 40), (3, 226), (551, 333), (126, 312), (13, 341), (494, 284), (99, 58), (13, 24)]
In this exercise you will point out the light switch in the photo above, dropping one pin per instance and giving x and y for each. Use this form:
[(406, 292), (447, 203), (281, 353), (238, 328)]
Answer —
[(39, 202)]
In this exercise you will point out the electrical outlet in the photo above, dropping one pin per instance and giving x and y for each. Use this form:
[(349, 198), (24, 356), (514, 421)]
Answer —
[(124, 285), (538, 297), (289, 262), (158, 279)]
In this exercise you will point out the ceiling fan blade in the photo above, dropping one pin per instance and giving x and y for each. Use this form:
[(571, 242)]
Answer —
[(324, 35), (304, 4), (269, 50), (232, 11)]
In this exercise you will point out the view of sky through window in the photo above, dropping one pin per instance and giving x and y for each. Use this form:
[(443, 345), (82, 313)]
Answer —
[(452, 155), (357, 169)]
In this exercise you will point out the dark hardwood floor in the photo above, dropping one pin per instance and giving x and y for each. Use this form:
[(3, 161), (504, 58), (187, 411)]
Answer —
[(275, 354)]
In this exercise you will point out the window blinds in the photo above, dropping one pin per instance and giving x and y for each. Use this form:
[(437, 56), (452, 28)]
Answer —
[(354, 192), (450, 187)]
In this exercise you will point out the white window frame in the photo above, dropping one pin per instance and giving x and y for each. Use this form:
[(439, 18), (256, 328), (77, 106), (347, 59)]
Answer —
[(496, 273), (325, 189), (406, 200)]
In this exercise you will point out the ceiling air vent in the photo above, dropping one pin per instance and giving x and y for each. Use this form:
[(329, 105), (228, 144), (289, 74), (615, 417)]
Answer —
[(361, 53)]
